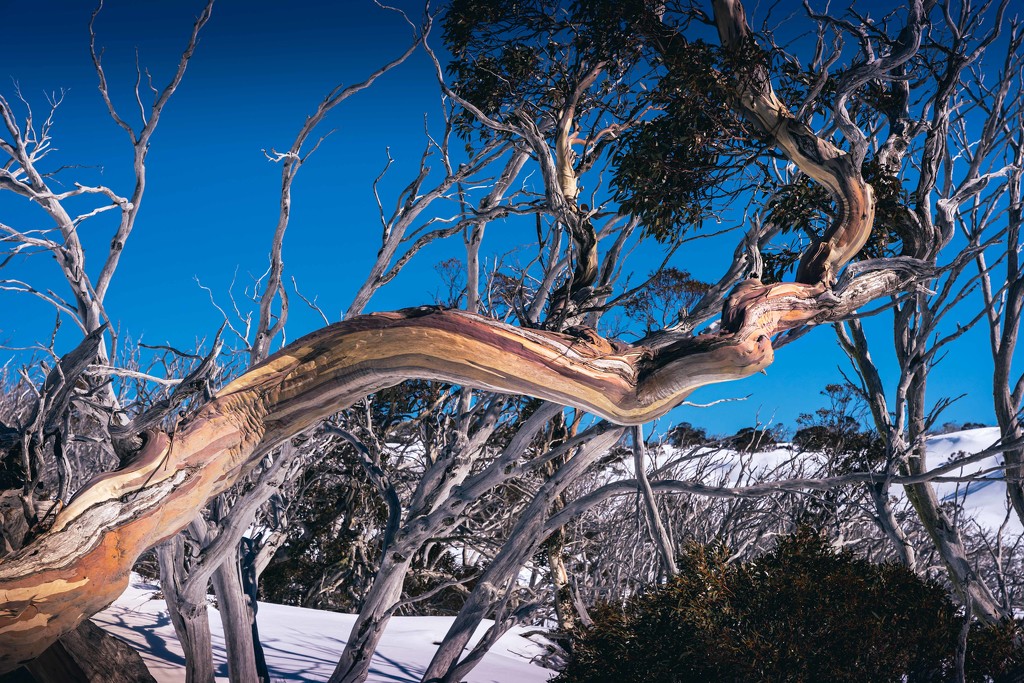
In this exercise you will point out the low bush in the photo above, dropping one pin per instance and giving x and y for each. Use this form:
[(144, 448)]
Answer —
[(804, 612)]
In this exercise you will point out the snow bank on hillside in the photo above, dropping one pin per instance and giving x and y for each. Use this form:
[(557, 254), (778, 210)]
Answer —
[(304, 644), (984, 500)]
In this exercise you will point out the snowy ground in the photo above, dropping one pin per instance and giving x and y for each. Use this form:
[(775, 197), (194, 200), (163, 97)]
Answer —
[(983, 500), (304, 644)]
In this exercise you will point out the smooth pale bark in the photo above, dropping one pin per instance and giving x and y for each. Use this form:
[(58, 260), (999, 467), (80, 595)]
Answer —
[(922, 496), (941, 528), (658, 532), (565, 606), (523, 542), (1004, 331)]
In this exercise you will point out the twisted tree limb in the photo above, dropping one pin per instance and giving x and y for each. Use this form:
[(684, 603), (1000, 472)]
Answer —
[(835, 169), (82, 563)]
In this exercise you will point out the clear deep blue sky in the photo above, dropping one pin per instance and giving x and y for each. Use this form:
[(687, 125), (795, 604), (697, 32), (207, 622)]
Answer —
[(211, 203)]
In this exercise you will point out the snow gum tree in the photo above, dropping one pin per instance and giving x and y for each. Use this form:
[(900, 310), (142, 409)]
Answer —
[(638, 120)]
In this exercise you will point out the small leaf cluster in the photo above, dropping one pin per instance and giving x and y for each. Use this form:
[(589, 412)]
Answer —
[(669, 293), (835, 431), (891, 209), (804, 207), (523, 57), (755, 439), (670, 168), (685, 434)]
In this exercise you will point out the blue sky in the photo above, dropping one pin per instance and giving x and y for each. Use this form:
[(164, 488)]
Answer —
[(211, 203)]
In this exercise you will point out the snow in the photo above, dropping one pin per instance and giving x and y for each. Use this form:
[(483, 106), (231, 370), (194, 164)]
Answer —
[(304, 644), (984, 501)]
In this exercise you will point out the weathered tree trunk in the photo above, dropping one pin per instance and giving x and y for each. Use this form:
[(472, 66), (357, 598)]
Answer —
[(373, 617), (188, 612), (891, 527), (82, 563), (83, 655), (1004, 332), (252, 565), (554, 544), (854, 344), (972, 588), (565, 605), (238, 623), (913, 460)]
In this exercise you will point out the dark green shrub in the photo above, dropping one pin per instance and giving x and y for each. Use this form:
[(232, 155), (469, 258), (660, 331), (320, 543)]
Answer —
[(803, 612), (685, 434), (753, 439), (995, 653)]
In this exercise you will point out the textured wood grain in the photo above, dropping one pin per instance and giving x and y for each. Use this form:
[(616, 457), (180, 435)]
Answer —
[(82, 564)]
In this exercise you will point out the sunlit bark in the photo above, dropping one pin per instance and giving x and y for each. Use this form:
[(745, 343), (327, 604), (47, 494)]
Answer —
[(82, 563)]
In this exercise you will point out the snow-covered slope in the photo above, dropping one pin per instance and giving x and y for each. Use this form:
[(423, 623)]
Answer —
[(984, 500), (304, 644)]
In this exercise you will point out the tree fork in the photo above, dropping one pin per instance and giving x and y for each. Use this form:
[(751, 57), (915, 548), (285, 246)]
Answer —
[(818, 158)]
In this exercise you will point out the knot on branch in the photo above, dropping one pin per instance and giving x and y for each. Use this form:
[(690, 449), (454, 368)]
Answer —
[(736, 304)]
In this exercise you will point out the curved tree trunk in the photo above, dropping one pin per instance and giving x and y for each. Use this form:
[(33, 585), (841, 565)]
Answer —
[(82, 563), (943, 531), (250, 574), (1004, 331), (913, 460)]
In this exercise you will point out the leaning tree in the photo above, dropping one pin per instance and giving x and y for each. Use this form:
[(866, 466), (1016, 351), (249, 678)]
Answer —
[(710, 107)]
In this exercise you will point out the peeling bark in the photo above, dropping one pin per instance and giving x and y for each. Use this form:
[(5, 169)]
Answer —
[(82, 563)]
